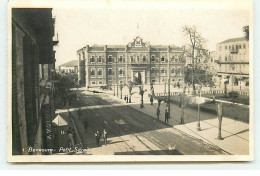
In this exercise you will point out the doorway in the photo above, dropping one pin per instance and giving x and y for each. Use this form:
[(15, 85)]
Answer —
[(138, 78)]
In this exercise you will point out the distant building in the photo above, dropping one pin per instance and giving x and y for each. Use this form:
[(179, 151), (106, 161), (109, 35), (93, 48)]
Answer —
[(33, 60), (212, 62), (233, 62), (138, 62), (69, 67)]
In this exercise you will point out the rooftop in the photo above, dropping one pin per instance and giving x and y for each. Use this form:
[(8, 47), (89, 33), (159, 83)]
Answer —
[(234, 40), (72, 63)]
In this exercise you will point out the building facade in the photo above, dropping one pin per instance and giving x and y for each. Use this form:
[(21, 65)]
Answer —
[(33, 60), (233, 62), (138, 62)]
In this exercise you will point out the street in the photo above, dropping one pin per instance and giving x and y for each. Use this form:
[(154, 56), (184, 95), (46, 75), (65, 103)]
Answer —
[(130, 132)]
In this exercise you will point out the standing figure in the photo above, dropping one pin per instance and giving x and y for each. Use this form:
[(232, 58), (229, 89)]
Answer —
[(127, 98), (151, 100), (71, 139), (166, 116), (105, 136), (97, 134), (158, 113)]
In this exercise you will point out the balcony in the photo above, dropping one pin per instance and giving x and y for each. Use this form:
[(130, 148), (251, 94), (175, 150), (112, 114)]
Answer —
[(234, 51)]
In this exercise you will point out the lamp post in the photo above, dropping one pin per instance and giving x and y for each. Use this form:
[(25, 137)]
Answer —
[(198, 124), (169, 99)]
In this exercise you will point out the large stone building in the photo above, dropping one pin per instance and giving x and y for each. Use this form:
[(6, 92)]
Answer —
[(33, 60), (139, 62), (233, 62)]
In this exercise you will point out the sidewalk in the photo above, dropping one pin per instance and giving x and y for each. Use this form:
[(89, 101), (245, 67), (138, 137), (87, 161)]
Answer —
[(235, 134)]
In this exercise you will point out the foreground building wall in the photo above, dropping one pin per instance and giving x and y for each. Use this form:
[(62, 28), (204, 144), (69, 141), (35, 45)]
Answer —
[(32, 61), (139, 62)]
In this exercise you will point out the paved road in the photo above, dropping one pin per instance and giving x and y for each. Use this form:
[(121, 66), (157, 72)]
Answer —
[(131, 131)]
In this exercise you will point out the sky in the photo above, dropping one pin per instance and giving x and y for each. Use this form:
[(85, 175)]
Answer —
[(80, 26)]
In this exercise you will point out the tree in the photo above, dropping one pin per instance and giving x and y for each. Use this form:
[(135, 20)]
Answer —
[(246, 32), (196, 72), (130, 87)]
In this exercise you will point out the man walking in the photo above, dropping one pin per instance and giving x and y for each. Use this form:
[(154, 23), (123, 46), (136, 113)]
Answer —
[(97, 134), (166, 116), (158, 113)]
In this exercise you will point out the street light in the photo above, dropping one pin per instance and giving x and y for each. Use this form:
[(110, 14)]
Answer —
[(198, 124)]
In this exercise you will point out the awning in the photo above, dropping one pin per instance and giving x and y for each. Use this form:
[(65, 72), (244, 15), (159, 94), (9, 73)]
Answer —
[(59, 121)]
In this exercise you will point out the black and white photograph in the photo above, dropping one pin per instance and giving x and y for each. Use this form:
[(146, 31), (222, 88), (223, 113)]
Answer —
[(114, 81)]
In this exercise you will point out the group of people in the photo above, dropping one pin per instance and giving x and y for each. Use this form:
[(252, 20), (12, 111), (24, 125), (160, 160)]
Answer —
[(166, 115), (98, 135)]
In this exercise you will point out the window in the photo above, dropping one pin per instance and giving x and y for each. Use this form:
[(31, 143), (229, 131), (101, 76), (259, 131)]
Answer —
[(244, 46), (153, 58), (153, 80), (93, 82), (138, 58), (178, 71), (172, 58), (110, 71), (92, 72), (92, 59), (229, 47), (121, 72), (109, 58), (120, 58), (144, 58), (162, 59), (225, 47), (100, 72), (219, 48), (172, 71), (132, 58), (163, 71), (153, 71), (100, 82), (99, 59), (225, 58)]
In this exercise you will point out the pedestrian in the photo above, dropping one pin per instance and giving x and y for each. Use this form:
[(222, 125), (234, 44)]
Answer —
[(127, 99), (151, 99), (97, 134), (158, 113), (105, 136), (70, 136), (180, 103), (79, 113), (85, 125), (166, 116)]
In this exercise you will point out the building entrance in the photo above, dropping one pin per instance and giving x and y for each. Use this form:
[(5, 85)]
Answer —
[(137, 78)]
